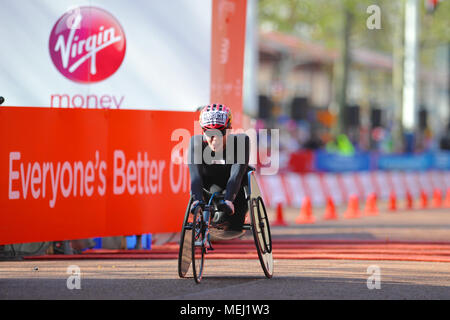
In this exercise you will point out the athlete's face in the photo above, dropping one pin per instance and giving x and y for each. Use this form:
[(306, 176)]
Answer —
[(216, 139)]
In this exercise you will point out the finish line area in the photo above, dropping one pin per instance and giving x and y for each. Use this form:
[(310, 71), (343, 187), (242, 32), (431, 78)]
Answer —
[(326, 260)]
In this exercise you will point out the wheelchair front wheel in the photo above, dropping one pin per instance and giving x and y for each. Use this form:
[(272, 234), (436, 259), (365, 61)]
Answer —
[(184, 252)]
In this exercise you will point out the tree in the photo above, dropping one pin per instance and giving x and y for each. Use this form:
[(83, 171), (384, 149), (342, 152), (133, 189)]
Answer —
[(341, 24), (337, 24)]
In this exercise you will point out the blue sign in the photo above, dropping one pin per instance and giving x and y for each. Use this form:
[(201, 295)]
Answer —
[(442, 160), (422, 161), (334, 162), (362, 161)]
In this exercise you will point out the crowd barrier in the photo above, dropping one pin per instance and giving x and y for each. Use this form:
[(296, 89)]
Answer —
[(290, 189), (76, 174)]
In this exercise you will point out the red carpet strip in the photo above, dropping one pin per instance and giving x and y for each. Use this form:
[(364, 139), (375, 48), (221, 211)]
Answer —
[(286, 249)]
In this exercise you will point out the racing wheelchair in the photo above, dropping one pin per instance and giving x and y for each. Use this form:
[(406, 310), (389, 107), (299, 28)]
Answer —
[(198, 232)]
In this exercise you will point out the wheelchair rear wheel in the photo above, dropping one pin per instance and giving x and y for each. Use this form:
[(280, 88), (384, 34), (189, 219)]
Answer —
[(261, 228), (198, 243)]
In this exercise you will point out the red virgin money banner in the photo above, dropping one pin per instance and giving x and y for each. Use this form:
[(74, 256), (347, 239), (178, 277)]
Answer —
[(72, 173), (227, 54)]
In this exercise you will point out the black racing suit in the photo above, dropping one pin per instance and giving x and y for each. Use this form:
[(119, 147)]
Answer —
[(223, 171)]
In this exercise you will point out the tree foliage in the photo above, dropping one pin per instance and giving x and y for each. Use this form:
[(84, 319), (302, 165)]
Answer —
[(322, 21)]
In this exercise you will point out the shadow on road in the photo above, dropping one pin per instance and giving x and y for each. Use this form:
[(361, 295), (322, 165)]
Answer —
[(217, 288)]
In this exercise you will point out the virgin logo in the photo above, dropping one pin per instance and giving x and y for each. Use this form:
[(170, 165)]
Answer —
[(87, 44)]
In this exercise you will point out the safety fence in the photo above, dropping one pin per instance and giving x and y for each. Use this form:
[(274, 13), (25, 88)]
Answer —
[(291, 189)]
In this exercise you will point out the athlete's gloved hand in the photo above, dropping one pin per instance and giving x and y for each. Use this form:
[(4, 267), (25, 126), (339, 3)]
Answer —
[(226, 206), (195, 204), (231, 205)]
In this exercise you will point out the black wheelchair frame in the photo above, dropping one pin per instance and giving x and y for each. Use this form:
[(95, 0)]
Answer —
[(195, 240)]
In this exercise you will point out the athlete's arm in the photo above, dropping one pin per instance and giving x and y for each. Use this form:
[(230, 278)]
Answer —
[(195, 166), (240, 158)]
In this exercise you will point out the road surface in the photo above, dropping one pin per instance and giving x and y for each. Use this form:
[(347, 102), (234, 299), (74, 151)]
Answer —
[(404, 250)]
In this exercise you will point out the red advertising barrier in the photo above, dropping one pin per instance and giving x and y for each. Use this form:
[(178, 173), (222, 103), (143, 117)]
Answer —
[(72, 173), (301, 161)]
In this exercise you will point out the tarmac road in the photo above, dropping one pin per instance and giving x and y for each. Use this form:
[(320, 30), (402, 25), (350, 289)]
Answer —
[(232, 279), (243, 278)]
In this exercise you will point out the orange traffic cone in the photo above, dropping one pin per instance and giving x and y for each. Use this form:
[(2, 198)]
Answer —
[(437, 198), (330, 210), (447, 199), (423, 199), (371, 205), (279, 220), (409, 200), (393, 201), (306, 215), (353, 208)]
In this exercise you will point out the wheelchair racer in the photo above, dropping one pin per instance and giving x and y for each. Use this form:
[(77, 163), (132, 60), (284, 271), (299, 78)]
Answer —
[(218, 162)]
